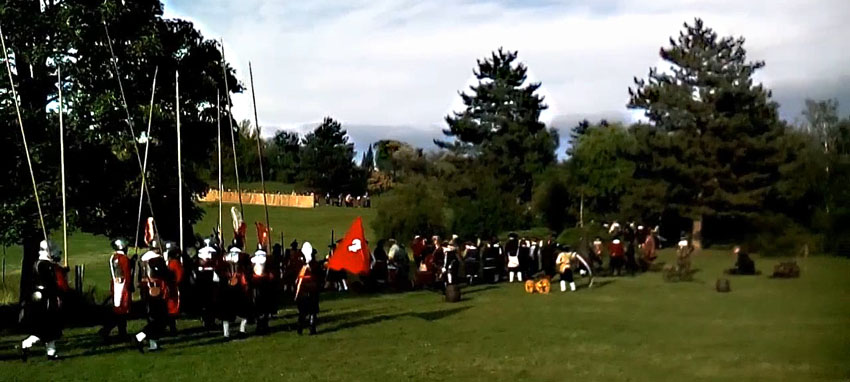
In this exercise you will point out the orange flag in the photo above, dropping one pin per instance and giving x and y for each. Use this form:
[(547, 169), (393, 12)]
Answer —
[(262, 235), (352, 253), (150, 234)]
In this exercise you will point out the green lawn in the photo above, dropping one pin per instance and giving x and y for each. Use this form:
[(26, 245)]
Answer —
[(638, 329)]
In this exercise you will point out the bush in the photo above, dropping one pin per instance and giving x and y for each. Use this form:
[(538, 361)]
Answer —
[(485, 211), (412, 208), (579, 239), (778, 235), (550, 201)]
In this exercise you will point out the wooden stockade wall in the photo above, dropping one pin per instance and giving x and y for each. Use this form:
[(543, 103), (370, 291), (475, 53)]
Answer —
[(256, 198)]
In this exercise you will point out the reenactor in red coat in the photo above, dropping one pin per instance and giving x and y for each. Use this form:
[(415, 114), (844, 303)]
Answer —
[(121, 290), (42, 310), (154, 290), (175, 267), (617, 254)]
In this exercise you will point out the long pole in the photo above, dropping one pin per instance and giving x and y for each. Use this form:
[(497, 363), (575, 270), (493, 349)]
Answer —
[(179, 159), (220, 190), (117, 75), (259, 148), (230, 120), (62, 169), (145, 162), (23, 134)]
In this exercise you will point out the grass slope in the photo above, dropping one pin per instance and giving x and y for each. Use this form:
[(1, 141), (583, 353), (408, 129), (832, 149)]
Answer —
[(638, 329)]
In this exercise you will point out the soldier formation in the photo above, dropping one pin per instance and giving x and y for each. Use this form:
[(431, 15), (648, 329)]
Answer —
[(228, 286)]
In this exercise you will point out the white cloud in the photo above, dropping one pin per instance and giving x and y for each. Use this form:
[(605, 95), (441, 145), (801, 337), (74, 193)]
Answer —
[(401, 63)]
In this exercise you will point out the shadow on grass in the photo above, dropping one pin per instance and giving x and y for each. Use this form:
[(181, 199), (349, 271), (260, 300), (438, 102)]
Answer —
[(478, 288), (602, 283), (427, 316)]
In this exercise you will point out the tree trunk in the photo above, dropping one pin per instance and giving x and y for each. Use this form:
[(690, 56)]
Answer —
[(696, 233)]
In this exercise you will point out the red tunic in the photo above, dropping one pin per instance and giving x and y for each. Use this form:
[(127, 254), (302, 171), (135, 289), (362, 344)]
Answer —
[(123, 263), (616, 249), (173, 297), (61, 278)]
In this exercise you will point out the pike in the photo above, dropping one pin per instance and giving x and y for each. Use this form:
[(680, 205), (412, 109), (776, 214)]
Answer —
[(220, 190), (145, 163), (23, 134), (179, 159), (117, 74), (62, 169), (232, 137), (259, 147)]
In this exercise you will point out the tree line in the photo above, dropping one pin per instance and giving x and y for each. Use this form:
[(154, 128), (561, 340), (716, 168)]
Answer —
[(711, 159), (322, 161)]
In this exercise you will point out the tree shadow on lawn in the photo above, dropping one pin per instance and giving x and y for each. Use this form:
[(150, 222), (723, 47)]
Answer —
[(427, 316), (478, 288), (91, 344)]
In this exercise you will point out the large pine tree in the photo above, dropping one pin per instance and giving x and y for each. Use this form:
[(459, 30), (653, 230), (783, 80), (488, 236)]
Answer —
[(501, 124), (719, 153), (327, 160)]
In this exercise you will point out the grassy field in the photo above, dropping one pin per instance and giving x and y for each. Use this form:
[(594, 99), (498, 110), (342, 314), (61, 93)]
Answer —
[(631, 328)]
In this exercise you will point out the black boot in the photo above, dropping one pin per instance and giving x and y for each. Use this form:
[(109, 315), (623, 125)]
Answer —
[(25, 353), (312, 324), (300, 324)]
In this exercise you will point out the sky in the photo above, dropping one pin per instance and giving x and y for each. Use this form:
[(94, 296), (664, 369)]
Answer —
[(393, 68)]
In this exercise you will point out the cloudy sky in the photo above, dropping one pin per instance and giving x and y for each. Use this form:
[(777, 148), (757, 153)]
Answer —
[(392, 68)]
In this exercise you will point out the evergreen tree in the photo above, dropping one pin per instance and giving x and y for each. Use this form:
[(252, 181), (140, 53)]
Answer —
[(327, 160), (368, 161), (501, 124), (285, 156), (719, 153), (581, 129)]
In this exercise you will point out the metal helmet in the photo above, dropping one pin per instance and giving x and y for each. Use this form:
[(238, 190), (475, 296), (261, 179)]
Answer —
[(119, 245)]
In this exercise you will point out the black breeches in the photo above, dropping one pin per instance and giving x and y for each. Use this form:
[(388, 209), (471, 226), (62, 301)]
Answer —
[(616, 264), (567, 275), (114, 320), (43, 319), (158, 318)]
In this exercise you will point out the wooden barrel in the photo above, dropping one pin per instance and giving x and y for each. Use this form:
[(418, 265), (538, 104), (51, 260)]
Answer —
[(452, 293)]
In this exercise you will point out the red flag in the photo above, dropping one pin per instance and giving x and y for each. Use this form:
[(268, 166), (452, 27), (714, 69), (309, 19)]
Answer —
[(352, 253), (150, 234), (262, 234)]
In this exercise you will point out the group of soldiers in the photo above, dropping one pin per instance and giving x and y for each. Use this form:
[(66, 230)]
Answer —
[(346, 200), (441, 262), (229, 286)]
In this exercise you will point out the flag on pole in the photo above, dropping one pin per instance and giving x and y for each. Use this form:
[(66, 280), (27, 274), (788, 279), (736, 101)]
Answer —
[(239, 227), (262, 235), (149, 231), (352, 253)]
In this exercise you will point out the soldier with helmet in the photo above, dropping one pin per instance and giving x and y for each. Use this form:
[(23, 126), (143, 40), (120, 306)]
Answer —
[(154, 291), (175, 267), (307, 291), (121, 289), (42, 310), (236, 302), (207, 279), (263, 287)]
